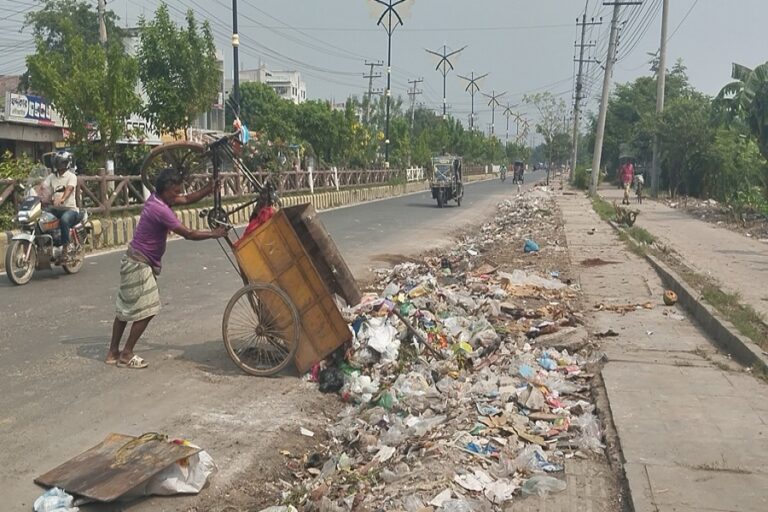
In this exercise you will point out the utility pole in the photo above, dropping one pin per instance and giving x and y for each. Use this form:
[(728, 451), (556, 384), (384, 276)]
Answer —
[(235, 60), (660, 92), (370, 76), (493, 103), (102, 24), (444, 66), (472, 88), (413, 93), (580, 85), (609, 61)]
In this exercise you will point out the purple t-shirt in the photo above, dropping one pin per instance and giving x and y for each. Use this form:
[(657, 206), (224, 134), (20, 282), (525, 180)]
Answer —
[(156, 221)]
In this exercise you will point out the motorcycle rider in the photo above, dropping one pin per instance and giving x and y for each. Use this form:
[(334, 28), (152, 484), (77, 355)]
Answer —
[(61, 184)]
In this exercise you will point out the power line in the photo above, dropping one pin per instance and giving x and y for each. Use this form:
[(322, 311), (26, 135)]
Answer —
[(683, 20)]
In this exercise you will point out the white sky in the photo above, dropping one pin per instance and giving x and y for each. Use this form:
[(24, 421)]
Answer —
[(525, 45)]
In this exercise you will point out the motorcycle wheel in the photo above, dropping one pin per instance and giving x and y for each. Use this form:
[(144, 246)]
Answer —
[(19, 271), (76, 261), (440, 199)]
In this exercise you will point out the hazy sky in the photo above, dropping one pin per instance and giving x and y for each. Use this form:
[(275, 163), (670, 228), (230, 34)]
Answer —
[(525, 45)]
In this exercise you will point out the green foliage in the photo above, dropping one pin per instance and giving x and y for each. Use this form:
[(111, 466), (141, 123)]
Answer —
[(91, 86), (641, 235), (15, 168), (550, 125), (49, 23), (746, 100), (178, 70), (339, 137), (603, 208), (581, 178), (12, 169)]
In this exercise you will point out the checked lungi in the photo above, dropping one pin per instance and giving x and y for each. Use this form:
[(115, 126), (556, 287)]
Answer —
[(137, 297)]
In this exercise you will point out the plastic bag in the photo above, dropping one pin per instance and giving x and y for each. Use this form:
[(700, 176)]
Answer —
[(361, 388), (455, 506), (541, 485), (54, 500), (187, 476), (532, 460), (331, 380), (381, 336), (590, 436)]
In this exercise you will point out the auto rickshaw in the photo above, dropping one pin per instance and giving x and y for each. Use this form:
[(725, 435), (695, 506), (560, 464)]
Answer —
[(446, 182)]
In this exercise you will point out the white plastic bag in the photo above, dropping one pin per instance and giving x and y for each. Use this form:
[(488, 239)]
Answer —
[(54, 500), (187, 476)]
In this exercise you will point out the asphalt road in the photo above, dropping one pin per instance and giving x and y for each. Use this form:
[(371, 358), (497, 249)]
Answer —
[(58, 398)]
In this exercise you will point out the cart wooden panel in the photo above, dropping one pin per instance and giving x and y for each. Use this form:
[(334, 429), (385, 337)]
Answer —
[(275, 254)]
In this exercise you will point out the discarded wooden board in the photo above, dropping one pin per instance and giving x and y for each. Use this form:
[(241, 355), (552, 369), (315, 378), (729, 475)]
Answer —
[(115, 466)]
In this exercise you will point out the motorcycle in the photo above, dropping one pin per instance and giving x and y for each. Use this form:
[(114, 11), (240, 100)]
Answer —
[(503, 173), (38, 245)]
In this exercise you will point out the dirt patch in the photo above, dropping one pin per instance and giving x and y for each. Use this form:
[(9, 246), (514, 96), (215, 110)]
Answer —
[(753, 225)]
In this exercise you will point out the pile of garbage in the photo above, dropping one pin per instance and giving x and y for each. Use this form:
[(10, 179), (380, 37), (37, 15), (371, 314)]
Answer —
[(455, 401)]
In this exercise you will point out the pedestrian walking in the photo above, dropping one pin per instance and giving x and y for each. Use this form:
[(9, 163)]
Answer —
[(138, 299), (627, 174)]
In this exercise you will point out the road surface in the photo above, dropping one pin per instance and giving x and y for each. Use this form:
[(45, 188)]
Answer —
[(58, 398)]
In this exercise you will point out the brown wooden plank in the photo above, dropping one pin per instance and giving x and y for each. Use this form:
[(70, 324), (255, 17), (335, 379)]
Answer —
[(323, 252), (114, 467)]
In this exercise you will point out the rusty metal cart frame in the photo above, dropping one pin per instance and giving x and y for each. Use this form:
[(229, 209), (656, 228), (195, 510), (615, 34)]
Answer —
[(290, 268)]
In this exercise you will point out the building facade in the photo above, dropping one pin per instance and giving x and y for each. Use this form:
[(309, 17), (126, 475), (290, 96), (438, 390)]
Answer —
[(28, 124), (287, 84)]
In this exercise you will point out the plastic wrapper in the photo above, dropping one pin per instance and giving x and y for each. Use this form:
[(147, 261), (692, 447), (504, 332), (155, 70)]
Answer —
[(590, 435), (541, 485)]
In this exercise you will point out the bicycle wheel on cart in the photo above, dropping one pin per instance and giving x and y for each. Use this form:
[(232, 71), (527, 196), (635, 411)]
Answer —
[(261, 329), (189, 158)]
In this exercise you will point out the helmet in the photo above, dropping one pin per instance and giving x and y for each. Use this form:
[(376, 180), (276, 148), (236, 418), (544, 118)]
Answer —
[(62, 160)]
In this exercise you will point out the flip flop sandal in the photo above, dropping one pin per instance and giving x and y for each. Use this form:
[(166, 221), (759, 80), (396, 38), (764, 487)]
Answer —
[(135, 363), (113, 362)]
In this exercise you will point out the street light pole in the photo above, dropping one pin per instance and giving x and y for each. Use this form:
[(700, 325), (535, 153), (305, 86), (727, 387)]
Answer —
[(388, 13), (236, 59), (444, 66)]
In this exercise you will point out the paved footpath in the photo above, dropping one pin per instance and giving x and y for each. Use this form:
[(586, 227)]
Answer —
[(694, 437), (734, 260)]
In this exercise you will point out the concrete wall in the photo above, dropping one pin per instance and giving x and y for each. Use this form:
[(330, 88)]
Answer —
[(117, 231)]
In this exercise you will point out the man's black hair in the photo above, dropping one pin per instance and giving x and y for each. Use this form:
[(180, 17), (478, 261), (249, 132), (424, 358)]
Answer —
[(167, 178)]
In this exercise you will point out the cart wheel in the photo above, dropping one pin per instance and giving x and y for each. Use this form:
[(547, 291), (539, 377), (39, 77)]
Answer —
[(261, 329), (189, 158)]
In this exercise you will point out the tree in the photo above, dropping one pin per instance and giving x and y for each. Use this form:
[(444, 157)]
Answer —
[(48, 23), (550, 122), (91, 86), (746, 99), (263, 111), (178, 70)]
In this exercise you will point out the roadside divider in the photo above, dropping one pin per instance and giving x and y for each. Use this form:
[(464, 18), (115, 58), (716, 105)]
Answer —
[(115, 231)]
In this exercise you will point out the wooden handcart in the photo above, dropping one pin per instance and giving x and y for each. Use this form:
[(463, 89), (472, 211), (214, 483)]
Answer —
[(286, 310)]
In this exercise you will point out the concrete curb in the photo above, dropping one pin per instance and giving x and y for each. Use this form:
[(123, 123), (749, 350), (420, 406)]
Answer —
[(117, 231), (719, 329)]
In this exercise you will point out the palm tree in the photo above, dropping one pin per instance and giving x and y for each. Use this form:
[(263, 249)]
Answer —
[(745, 100)]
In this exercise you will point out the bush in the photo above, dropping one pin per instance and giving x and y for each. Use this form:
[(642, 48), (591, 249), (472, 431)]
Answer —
[(581, 178)]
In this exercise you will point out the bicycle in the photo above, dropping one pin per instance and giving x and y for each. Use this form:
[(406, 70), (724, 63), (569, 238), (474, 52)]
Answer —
[(196, 163)]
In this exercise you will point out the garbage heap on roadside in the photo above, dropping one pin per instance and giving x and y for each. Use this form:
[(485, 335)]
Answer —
[(483, 415)]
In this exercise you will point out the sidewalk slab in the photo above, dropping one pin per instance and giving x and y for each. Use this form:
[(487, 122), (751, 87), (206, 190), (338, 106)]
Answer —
[(694, 437), (734, 260)]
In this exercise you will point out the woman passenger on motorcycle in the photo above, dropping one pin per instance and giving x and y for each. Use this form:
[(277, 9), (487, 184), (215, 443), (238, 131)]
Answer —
[(61, 184)]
